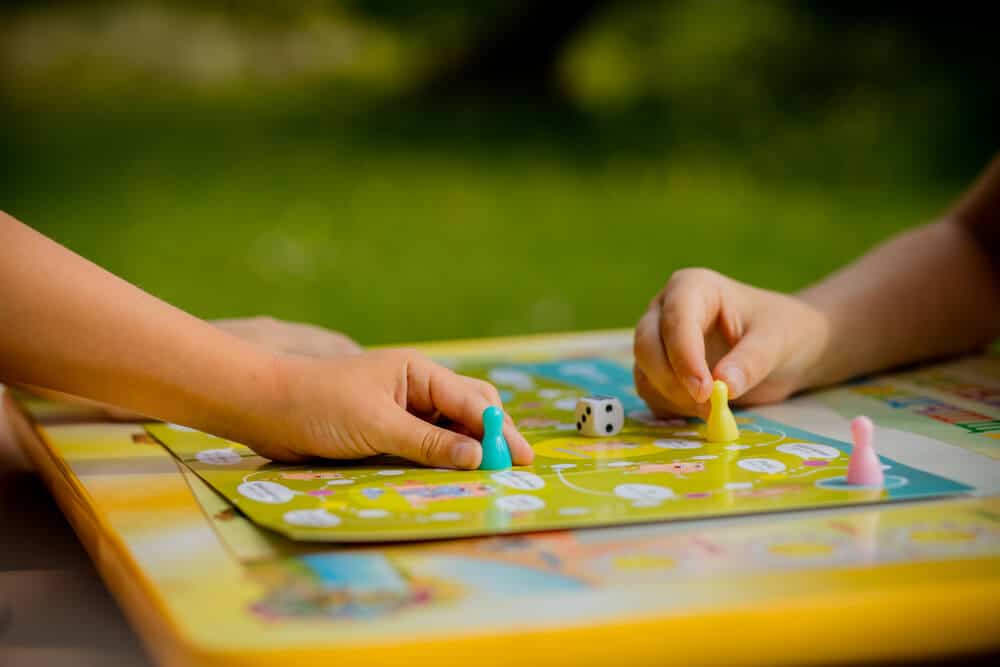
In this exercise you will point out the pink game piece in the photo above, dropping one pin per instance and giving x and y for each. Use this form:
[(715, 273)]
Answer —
[(864, 468)]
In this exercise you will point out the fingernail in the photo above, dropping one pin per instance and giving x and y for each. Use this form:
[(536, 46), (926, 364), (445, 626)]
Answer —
[(735, 379), (465, 455)]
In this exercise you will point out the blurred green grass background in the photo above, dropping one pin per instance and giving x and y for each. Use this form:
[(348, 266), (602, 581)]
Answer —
[(763, 140)]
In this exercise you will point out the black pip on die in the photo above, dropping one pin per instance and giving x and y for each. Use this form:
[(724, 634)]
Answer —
[(599, 415)]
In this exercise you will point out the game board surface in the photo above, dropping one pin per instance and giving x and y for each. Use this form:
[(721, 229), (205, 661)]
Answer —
[(653, 470), (957, 402)]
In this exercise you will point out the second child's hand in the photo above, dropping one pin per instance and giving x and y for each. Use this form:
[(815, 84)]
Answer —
[(760, 343), (927, 293)]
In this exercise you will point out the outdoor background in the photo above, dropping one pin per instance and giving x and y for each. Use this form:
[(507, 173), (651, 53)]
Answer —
[(409, 171)]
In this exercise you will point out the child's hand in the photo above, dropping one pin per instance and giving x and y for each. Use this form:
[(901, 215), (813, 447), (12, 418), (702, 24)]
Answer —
[(762, 344), (385, 401)]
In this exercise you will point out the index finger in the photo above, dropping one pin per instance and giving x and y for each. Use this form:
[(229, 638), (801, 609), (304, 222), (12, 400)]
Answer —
[(649, 352), (687, 312), (433, 387)]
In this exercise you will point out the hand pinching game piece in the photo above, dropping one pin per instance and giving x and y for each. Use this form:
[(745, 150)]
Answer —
[(721, 423), (599, 415), (496, 452), (864, 468)]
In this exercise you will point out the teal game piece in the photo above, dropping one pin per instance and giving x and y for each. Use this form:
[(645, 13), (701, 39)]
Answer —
[(496, 453)]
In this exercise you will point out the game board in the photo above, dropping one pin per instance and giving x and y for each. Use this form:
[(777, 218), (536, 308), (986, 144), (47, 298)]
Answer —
[(205, 585), (653, 470), (957, 402)]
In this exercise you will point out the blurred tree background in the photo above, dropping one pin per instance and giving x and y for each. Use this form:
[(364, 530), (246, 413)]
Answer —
[(409, 171)]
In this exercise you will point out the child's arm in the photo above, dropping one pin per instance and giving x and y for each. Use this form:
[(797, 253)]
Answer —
[(927, 293), (276, 335), (291, 337), (70, 326)]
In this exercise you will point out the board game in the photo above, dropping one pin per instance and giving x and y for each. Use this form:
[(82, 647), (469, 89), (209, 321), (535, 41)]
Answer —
[(957, 402), (653, 470), (205, 584)]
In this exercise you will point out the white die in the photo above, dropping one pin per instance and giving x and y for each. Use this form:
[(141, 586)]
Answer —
[(599, 415)]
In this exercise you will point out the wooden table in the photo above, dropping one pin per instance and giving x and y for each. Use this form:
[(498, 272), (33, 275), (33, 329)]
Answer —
[(54, 609)]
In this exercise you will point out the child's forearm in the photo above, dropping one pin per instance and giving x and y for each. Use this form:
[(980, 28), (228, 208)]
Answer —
[(67, 325), (71, 326), (928, 293)]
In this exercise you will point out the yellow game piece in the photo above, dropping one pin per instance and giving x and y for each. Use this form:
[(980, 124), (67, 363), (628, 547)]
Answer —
[(721, 423)]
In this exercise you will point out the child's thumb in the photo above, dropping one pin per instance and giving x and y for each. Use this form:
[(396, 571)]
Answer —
[(750, 361), (417, 440)]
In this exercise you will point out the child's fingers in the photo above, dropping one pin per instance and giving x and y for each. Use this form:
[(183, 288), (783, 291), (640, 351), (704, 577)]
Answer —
[(751, 360), (416, 440), (462, 400), (521, 452), (433, 388), (670, 337), (675, 402), (650, 355), (488, 395), (690, 306), (652, 397)]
